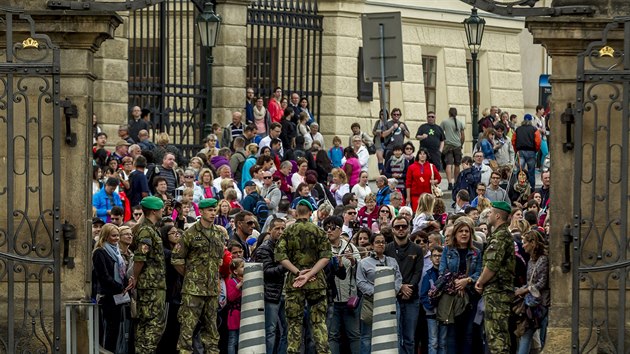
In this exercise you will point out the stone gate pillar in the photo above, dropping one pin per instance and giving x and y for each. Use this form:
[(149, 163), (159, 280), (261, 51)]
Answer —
[(564, 38)]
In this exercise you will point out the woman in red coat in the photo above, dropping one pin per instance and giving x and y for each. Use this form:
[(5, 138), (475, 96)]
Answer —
[(419, 178)]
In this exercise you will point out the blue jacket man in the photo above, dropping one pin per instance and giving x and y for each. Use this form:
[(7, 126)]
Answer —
[(105, 199), (382, 196)]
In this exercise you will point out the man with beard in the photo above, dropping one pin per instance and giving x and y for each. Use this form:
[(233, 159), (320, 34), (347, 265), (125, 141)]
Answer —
[(410, 260)]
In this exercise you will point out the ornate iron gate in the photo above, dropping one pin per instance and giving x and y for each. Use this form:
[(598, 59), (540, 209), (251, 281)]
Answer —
[(30, 229), (600, 231), (165, 75), (284, 48)]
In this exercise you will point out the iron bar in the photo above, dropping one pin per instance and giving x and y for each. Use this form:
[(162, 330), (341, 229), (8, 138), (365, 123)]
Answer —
[(475, 103)]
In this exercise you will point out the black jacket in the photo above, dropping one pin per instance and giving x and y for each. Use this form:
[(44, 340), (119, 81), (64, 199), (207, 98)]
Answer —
[(104, 274), (525, 138), (273, 272)]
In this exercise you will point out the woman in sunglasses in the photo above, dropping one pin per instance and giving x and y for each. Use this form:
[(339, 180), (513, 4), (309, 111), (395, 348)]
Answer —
[(385, 215)]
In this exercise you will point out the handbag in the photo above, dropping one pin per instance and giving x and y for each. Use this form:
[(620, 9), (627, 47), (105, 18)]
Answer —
[(353, 302), (435, 189), (371, 149)]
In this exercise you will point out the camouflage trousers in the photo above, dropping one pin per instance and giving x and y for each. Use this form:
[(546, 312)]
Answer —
[(295, 303), (496, 323), (151, 319), (195, 309)]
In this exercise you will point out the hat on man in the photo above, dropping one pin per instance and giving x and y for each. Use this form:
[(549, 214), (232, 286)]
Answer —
[(528, 117), (250, 184), (122, 143), (208, 203), (152, 203), (501, 205), (97, 220)]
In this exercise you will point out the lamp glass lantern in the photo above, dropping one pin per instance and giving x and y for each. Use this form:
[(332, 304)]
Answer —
[(474, 26), (208, 24)]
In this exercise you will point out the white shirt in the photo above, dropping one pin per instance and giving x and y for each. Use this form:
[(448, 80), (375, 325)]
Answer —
[(266, 141), (216, 183), (361, 193)]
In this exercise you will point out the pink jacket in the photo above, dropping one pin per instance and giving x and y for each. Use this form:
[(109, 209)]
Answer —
[(233, 304)]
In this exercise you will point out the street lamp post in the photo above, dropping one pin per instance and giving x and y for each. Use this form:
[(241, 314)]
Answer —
[(208, 24), (474, 26)]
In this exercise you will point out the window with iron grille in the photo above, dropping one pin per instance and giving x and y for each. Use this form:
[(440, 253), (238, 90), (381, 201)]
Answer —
[(261, 71), (429, 72)]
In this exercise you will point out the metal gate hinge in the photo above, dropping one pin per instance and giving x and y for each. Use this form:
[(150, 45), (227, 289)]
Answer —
[(70, 111), (567, 239), (568, 119)]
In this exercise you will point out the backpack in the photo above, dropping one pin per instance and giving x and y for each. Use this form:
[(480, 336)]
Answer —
[(468, 180), (261, 210), (238, 174)]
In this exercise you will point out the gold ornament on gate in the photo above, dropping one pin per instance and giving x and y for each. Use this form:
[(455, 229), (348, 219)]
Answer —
[(30, 43), (606, 51)]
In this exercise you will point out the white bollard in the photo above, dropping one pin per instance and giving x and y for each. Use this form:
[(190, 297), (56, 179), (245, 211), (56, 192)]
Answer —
[(251, 338), (384, 324)]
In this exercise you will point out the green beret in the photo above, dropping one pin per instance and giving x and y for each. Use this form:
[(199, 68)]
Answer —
[(153, 203), (501, 205), (307, 203), (208, 203)]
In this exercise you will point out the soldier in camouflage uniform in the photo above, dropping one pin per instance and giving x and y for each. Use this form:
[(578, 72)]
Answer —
[(149, 272), (304, 251), (497, 280), (197, 257)]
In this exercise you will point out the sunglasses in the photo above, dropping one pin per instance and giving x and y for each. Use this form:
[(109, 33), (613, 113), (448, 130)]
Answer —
[(379, 242), (251, 223), (331, 227), (352, 213), (430, 116), (400, 227), (189, 176), (419, 241), (137, 214), (384, 211), (267, 177)]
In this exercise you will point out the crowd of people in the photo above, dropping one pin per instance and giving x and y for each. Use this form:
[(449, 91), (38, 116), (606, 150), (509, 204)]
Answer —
[(172, 234)]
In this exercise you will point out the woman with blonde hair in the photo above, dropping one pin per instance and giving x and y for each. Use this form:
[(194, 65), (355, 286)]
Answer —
[(340, 185), (110, 276), (424, 221), (205, 182)]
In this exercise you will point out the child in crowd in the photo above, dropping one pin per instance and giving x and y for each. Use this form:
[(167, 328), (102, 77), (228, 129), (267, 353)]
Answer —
[(336, 152), (396, 167), (234, 294), (437, 333)]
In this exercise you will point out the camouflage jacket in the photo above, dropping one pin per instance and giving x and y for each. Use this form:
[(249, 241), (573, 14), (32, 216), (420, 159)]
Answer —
[(200, 250), (147, 244), (499, 257), (304, 243)]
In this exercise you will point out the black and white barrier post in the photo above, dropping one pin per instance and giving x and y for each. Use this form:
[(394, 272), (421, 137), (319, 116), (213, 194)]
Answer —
[(251, 339), (384, 323)]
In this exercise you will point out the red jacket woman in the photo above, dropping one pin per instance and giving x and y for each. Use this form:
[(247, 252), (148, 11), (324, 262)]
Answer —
[(419, 178)]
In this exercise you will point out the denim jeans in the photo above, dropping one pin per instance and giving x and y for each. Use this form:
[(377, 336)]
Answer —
[(366, 337), (340, 315), (407, 316), (275, 318), (459, 336), (233, 341), (528, 162), (437, 336)]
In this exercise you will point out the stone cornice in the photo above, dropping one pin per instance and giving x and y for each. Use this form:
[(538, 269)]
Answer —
[(71, 29), (569, 36)]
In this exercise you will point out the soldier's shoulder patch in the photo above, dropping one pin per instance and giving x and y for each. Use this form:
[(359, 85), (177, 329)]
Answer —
[(144, 248), (177, 248)]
